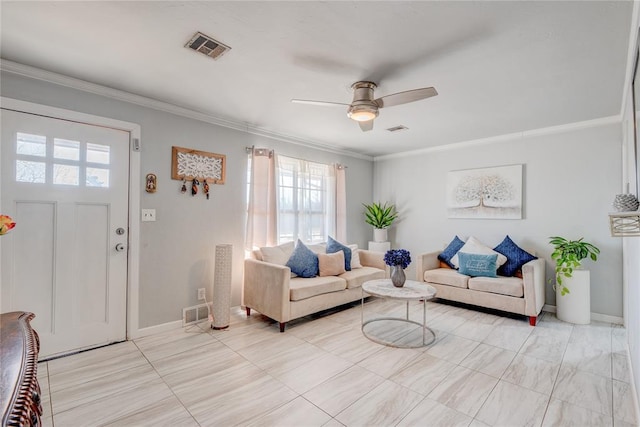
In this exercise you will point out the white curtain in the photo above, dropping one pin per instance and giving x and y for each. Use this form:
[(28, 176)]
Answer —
[(341, 202), (262, 210)]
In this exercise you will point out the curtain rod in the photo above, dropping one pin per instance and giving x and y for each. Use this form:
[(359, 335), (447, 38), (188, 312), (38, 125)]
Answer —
[(269, 151)]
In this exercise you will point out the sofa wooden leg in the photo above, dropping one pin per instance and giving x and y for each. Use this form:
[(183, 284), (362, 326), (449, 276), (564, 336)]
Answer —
[(533, 320), (248, 311), (281, 326)]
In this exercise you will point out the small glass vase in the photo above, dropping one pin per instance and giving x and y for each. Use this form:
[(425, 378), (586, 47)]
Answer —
[(397, 276)]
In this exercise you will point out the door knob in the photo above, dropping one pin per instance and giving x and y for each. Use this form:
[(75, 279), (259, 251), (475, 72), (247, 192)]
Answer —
[(119, 247)]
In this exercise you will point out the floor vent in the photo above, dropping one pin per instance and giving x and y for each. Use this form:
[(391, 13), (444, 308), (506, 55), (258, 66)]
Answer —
[(195, 314), (207, 46)]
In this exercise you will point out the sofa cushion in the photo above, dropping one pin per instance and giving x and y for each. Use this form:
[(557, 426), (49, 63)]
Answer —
[(355, 257), (303, 261), (477, 265), (450, 251), (331, 264), (475, 246), (334, 246), (318, 248), (355, 278), (511, 286), (277, 254), (516, 257), (446, 276), (302, 288)]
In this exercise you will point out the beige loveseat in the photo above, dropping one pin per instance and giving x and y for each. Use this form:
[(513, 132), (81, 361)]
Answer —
[(512, 294), (270, 289)]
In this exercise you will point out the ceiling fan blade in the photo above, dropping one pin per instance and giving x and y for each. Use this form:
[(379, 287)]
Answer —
[(406, 97), (366, 126), (321, 103)]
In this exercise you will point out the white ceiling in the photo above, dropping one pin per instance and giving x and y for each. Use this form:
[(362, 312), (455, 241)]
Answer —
[(499, 67)]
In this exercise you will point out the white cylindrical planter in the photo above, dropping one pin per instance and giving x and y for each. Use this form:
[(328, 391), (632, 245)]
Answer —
[(575, 307), (379, 234), (222, 287)]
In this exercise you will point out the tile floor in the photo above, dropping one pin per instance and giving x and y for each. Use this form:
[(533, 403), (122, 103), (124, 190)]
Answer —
[(482, 370)]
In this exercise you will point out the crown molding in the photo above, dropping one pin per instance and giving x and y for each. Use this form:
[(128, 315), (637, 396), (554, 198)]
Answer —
[(131, 98), (631, 55), (617, 119)]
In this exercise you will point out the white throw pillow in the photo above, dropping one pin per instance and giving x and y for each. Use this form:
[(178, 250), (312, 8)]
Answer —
[(355, 257), (475, 246), (277, 254)]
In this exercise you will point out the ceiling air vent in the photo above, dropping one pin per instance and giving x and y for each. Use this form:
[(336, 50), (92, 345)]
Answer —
[(398, 128), (207, 46)]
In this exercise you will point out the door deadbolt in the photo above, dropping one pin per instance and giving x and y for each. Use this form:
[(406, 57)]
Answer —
[(120, 231)]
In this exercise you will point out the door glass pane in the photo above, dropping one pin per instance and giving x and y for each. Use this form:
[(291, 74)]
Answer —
[(65, 149), (30, 171), (97, 177), (66, 174), (97, 153), (32, 145)]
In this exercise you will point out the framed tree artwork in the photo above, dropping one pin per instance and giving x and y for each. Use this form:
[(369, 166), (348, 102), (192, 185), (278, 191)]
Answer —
[(487, 193)]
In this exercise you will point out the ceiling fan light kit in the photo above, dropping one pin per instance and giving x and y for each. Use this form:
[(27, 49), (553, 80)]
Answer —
[(362, 113), (364, 108)]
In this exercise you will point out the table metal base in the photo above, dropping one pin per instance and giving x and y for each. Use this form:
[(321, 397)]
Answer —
[(423, 325)]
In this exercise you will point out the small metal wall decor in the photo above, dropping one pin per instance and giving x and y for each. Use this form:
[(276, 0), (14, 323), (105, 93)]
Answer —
[(151, 185), (199, 167)]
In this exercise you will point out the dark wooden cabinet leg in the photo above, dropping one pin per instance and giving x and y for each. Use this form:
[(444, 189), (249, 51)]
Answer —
[(248, 311), (533, 320), (281, 326)]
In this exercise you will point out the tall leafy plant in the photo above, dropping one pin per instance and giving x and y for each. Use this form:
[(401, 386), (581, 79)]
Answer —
[(568, 255), (379, 215)]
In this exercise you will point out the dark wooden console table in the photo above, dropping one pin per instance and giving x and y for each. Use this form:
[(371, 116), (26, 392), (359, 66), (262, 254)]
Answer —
[(19, 388)]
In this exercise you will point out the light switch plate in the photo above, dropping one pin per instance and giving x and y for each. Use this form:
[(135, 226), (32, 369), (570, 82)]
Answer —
[(148, 215)]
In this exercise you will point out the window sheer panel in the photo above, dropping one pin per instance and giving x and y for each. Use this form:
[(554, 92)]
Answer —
[(261, 229), (341, 202)]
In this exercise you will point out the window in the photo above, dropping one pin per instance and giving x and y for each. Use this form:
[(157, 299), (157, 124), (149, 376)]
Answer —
[(305, 199), (61, 161)]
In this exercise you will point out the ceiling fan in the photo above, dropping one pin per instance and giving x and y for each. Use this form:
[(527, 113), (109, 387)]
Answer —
[(364, 108)]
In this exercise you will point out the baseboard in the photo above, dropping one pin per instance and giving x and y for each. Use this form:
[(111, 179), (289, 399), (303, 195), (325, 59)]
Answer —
[(156, 329), (634, 390), (594, 316)]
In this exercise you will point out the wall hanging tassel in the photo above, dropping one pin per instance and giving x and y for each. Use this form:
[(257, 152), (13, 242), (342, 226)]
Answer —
[(194, 187), (205, 188), (183, 189)]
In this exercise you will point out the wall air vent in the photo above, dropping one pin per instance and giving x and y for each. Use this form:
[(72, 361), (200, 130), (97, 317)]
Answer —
[(207, 46), (398, 128)]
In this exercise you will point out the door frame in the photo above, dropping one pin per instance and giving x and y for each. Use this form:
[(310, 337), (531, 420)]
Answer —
[(134, 130)]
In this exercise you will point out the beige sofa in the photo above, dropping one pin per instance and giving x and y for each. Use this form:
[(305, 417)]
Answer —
[(512, 294), (270, 289)]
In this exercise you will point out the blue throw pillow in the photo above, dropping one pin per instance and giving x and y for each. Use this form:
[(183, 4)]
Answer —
[(450, 251), (478, 265), (303, 261), (516, 257), (334, 246)]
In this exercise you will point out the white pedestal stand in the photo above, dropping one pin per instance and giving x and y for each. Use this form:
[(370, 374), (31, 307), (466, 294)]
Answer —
[(379, 246), (575, 307), (222, 287)]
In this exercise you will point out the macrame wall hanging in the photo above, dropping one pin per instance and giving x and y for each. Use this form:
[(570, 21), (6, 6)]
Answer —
[(199, 167)]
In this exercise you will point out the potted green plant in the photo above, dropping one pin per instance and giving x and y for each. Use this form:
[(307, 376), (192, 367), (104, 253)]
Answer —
[(380, 217), (574, 307)]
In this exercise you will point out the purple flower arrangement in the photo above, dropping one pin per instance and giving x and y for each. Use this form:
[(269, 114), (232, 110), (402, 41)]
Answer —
[(400, 257)]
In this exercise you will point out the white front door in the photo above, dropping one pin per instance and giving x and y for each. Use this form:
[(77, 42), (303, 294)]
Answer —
[(66, 186)]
